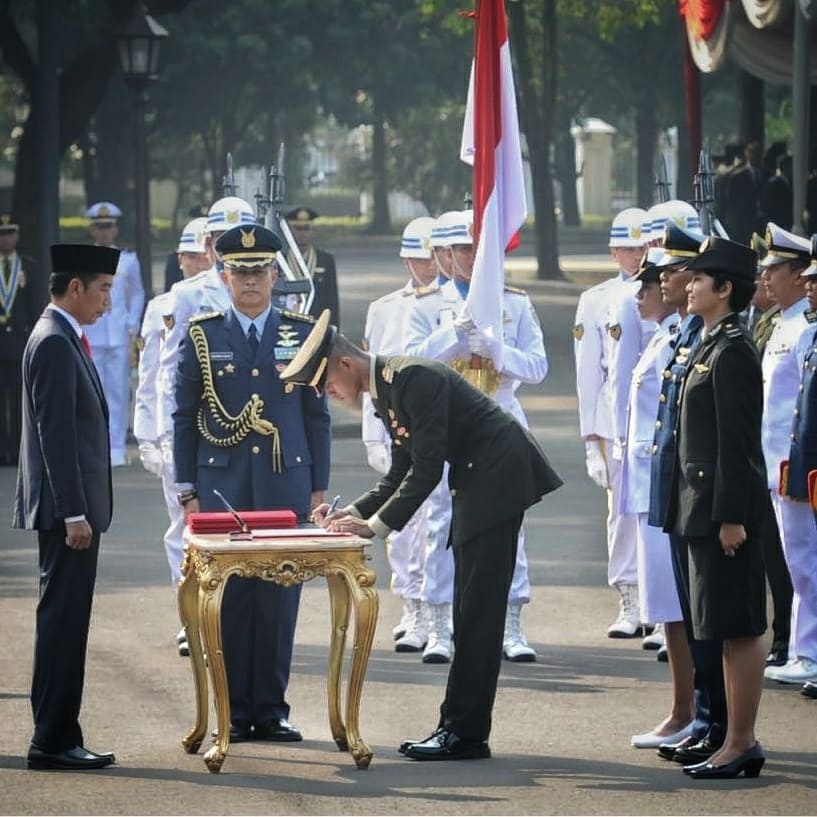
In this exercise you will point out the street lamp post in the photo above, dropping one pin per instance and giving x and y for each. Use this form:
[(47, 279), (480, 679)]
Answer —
[(138, 42)]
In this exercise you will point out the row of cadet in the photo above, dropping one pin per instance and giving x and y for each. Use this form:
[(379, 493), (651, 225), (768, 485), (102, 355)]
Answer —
[(635, 342), (114, 338)]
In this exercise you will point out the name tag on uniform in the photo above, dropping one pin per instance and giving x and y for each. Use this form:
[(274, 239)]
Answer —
[(221, 355), (282, 353)]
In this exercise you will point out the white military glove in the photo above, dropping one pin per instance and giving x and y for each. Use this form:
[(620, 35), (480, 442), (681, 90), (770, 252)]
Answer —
[(151, 457), (378, 457), (596, 466), (618, 450), (462, 325), (479, 344), (166, 444)]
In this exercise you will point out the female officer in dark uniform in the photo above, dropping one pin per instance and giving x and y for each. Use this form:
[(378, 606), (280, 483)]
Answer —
[(719, 493)]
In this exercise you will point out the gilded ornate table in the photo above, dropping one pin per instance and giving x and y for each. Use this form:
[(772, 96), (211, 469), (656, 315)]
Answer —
[(210, 559)]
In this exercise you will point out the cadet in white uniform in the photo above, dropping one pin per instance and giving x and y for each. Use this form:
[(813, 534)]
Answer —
[(192, 258), (112, 336), (385, 335), (592, 346), (783, 360), (435, 332)]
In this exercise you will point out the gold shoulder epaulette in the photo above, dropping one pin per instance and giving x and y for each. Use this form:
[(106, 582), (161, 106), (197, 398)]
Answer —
[(421, 292), (515, 290), (206, 316), (297, 316), (811, 315)]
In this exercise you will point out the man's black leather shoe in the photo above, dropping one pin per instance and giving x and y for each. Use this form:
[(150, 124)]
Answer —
[(445, 745), (809, 689), (777, 657), (74, 759), (238, 734), (668, 750), (406, 743), (697, 753), (280, 730)]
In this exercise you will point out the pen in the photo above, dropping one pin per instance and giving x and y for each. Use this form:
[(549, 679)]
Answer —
[(232, 510), (334, 506)]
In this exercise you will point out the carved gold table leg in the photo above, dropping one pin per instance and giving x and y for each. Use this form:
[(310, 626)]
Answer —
[(210, 597), (339, 602), (366, 604), (188, 601)]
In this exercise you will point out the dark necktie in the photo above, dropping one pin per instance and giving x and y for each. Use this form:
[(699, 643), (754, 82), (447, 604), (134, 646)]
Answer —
[(86, 345), (252, 339), (7, 271)]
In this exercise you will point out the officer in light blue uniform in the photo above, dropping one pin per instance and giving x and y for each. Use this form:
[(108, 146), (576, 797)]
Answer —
[(265, 446)]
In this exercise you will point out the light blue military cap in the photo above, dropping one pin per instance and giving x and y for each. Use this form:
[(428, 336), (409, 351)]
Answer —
[(103, 212)]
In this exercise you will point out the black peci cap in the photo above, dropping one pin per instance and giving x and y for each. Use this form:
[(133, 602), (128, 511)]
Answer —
[(301, 215), (83, 259)]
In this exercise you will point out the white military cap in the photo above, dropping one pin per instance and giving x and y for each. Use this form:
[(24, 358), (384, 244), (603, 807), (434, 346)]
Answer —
[(785, 246), (627, 229), (681, 213), (441, 231), (461, 230), (192, 237), (103, 212), (416, 241), (229, 212)]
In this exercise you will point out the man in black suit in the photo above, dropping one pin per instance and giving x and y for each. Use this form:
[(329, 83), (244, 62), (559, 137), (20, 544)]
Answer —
[(497, 471), (64, 493), (18, 312), (320, 263)]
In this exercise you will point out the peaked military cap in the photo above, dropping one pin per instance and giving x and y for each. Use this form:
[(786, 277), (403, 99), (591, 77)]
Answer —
[(679, 244), (308, 367), (301, 215), (785, 246), (8, 224), (759, 245), (729, 258), (247, 246), (103, 212), (811, 270), (649, 270), (87, 259)]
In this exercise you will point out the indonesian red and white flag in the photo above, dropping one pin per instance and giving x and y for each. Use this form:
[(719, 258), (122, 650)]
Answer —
[(490, 142)]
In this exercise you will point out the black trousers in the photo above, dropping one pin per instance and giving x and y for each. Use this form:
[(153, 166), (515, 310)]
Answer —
[(707, 657), (777, 574), (11, 388), (483, 570), (67, 579)]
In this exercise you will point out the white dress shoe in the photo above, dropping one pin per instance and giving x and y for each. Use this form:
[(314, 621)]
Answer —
[(628, 624), (399, 629), (649, 740), (655, 640), (416, 636), (515, 646), (796, 671), (439, 648)]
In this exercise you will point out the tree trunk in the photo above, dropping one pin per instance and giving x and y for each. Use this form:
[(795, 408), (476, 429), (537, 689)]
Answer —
[(646, 129), (566, 171), (381, 222), (752, 109)]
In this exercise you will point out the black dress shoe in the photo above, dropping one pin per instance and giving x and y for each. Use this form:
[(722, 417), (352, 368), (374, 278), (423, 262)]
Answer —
[(668, 750), (809, 689), (238, 734), (406, 743), (280, 730), (75, 759), (749, 763), (697, 752), (777, 657), (446, 745)]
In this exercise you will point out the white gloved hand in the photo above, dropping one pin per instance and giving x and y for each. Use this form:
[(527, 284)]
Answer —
[(378, 457), (618, 450), (479, 344), (151, 457), (166, 444), (596, 466), (463, 325)]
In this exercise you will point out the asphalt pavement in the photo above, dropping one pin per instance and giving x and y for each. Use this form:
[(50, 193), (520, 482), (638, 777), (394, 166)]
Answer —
[(561, 726)]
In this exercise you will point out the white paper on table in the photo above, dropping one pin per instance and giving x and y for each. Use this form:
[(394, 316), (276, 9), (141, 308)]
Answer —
[(287, 533)]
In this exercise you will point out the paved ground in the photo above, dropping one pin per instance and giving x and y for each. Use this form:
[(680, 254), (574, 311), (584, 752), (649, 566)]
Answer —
[(562, 725)]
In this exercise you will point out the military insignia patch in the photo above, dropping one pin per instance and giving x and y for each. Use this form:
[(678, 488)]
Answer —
[(701, 368), (282, 353), (248, 238), (169, 321), (388, 374), (296, 316), (231, 216), (811, 315), (221, 355), (229, 368), (614, 330), (578, 331)]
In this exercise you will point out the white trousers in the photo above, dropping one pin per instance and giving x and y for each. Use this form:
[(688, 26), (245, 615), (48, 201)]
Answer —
[(657, 593), (798, 533), (405, 549), (113, 365), (173, 538), (622, 563)]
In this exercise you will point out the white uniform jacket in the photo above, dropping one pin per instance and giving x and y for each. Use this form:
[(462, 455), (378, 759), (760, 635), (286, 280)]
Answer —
[(145, 420), (122, 320)]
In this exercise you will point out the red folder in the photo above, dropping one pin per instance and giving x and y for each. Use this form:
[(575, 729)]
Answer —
[(812, 489), (783, 485), (223, 522)]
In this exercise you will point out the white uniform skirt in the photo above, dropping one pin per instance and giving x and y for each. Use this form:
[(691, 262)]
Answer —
[(657, 593)]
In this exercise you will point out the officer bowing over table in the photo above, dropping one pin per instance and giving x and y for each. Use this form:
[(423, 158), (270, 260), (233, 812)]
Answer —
[(263, 445)]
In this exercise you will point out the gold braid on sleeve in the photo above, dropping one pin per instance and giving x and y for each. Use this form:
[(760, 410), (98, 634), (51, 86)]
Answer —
[(236, 427)]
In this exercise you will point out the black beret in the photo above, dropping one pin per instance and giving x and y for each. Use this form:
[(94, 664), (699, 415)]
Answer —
[(83, 259)]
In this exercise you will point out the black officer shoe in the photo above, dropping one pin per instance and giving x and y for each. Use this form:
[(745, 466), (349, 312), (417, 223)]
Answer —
[(668, 750), (278, 730), (809, 689), (238, 733), (777, 657), (697, 753), (445, 745)]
